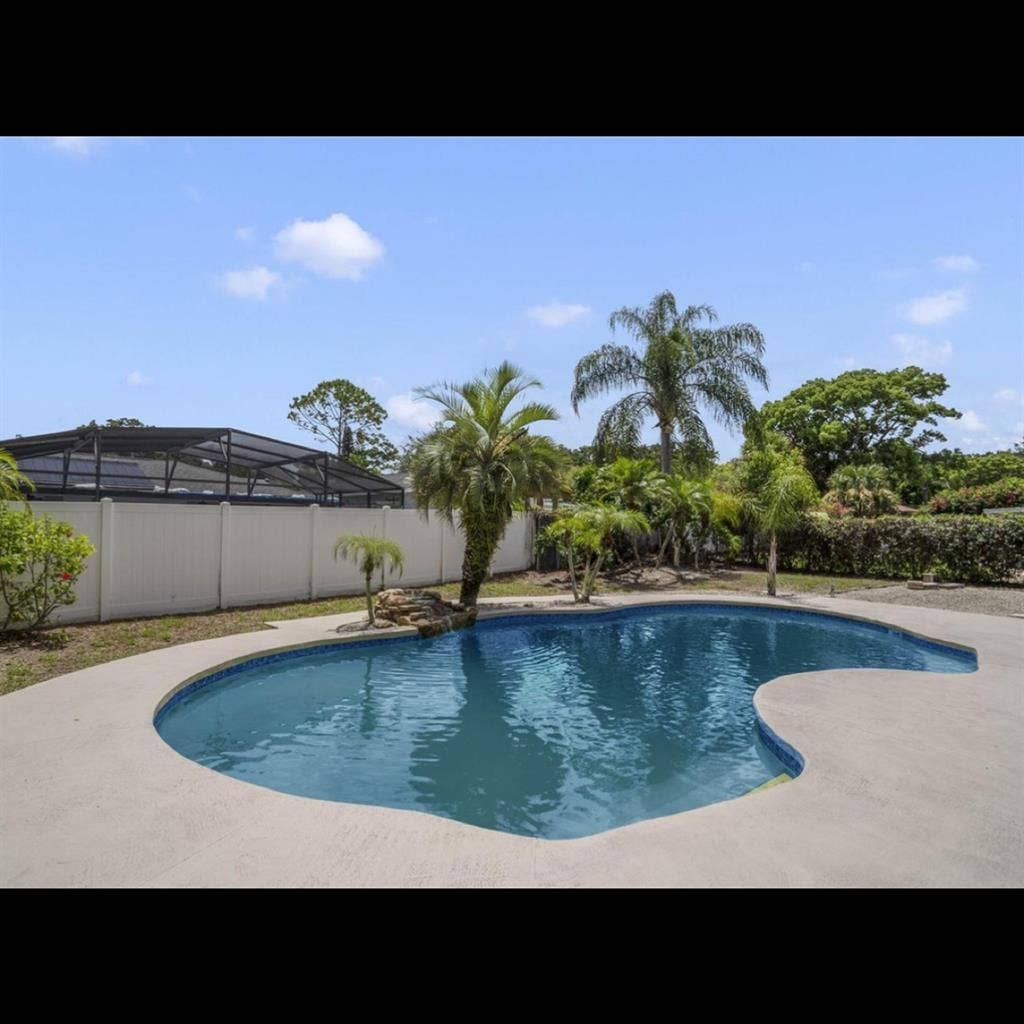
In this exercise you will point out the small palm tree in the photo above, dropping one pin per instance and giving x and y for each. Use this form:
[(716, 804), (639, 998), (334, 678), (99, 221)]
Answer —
[(13, 483), (776, 490), (586, 538), (480, 463), (683, 365), (370, 554), (683, 505), (865, 490), (633, 484)]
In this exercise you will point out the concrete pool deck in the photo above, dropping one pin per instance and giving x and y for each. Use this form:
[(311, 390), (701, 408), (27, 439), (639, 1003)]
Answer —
[(911, 779)]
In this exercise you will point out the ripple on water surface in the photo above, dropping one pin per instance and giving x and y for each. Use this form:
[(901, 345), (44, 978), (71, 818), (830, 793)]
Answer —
[(548, 726)]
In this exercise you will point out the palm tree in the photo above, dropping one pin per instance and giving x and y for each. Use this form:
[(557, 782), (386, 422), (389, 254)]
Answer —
[(683, 365), (776, 490), (370, 554), (480, 462), (586, 537), (13, 483), (682, 506), (631, 484), (866, 490)]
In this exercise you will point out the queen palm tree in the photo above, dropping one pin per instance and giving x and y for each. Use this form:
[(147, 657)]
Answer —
[(13, 483), (370, 554), (480, 462), (681, 367)]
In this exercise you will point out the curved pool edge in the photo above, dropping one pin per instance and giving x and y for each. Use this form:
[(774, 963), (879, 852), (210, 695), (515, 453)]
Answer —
[(94, 797)]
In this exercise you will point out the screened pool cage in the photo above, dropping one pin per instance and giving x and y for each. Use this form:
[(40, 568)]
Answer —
[(195, 465)]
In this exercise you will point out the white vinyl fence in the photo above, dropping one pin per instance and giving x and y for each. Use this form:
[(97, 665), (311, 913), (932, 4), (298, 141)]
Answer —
[(153, 559)]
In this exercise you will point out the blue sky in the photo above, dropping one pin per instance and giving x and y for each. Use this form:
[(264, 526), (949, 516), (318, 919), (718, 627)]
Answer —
[(204, 282)]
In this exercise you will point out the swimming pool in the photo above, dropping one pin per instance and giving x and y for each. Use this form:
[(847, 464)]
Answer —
[(549, 725)]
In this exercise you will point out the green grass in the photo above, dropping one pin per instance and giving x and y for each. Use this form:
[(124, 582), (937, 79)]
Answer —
[(25, 661)]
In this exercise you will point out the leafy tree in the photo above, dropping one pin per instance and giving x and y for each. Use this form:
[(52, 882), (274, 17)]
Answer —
[(776, 489), (860, 416), (681, 367), (349, 419), (950, 470), (480, 462), (369, 553), (586, 536), (13, 483), (121, 421), (40, 561), (864, 490)]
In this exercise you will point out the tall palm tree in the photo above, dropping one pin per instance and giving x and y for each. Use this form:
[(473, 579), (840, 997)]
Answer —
[(480, 462), (369, 553), (13, 483), (682, 367)]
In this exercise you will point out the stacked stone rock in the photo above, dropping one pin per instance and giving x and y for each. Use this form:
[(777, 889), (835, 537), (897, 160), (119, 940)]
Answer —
[(424, 609)]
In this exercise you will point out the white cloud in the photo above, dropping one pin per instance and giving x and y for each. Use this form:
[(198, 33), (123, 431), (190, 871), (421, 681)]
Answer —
[(245, 234), (253, 283), (971, 422), (557, 314), (963, 264), (336, 247), (194, 194), (137, 380), (1006, 396), (409, 412), (933, 309), (921, 351), (80, 146), (805, 266)]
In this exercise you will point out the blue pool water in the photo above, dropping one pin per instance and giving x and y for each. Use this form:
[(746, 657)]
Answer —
[(554, 726)]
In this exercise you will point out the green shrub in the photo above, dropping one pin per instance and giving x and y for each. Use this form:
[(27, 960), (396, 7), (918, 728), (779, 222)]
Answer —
[(1005, 493), (40, 561), (967, 549)]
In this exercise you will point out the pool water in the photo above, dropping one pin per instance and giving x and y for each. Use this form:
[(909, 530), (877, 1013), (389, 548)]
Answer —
[(556, 726)]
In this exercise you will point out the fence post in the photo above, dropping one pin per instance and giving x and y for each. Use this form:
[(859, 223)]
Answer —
[(384, 534), (314, 535), (106, 557), (223, 591)]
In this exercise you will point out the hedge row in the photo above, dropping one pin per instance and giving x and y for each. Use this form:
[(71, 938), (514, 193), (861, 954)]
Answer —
[(966, 549), (1005, 493)]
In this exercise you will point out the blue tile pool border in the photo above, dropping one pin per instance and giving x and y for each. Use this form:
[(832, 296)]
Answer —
[(775, 744)]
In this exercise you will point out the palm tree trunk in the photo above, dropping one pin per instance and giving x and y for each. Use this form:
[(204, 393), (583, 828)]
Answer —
[(666, 449), (483, 532), (572, 575), (369, 598), (773, 554)]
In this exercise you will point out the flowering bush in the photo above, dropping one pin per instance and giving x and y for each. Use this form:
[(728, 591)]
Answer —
[(1005, 493), (968, 549), (40, 562)]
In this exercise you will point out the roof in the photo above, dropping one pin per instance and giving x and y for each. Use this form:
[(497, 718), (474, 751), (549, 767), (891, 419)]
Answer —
[(196, 462)]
